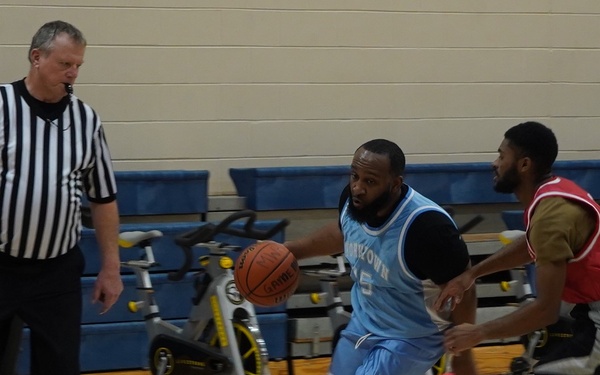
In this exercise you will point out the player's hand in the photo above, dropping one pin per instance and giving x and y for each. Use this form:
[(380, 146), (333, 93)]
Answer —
[(107, 289), (452, 293), (462, 337)]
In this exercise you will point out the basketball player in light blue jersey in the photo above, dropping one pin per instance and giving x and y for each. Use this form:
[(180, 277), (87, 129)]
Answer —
[(402, 248)]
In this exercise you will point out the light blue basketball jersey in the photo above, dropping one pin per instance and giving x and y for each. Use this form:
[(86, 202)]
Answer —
[(387, 298)]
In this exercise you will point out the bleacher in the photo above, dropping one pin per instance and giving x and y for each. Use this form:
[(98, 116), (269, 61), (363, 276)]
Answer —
[(296, 188)]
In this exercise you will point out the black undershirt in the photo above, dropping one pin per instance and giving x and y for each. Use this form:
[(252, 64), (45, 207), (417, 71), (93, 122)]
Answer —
[(433, 248), (46, 111)]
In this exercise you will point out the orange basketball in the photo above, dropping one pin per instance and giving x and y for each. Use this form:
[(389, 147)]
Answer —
[(266, 274)]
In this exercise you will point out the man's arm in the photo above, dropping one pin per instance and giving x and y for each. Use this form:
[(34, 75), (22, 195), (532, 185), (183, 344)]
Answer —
[(109, 285), (510, 256), (434, 250), (465, 312), (513, 255), (541, 312), (328, 240)]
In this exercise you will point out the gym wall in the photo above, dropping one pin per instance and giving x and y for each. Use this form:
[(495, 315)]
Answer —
[(215, 84)]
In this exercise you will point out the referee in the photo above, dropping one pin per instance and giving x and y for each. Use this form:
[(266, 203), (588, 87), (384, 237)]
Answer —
[(52, 151)]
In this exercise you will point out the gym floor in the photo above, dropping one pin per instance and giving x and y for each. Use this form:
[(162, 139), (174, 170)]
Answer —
[(491, 360)]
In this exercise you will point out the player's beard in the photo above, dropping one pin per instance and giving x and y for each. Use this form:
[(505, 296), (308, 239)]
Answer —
[(508, 182), (369, 212)]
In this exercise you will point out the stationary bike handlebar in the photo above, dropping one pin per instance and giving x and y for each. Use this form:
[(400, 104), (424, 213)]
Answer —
[(207, 232), (472, 223)]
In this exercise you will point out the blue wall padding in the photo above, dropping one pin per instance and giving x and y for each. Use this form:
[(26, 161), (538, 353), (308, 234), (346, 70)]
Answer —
[(174, 300), (121, 346), (166, 252), (285, 188), (289, 188), (456, 183), (105, 347), (513, 219), (162, 192), (586, 173), (274, 329), (279, 188)]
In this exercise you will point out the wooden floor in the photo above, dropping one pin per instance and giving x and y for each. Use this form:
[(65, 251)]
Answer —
[(491, 360)]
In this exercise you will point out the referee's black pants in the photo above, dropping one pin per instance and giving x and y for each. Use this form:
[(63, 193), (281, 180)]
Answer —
[(46, 295)]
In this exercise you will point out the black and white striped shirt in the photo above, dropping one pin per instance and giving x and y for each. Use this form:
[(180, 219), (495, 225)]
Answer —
[(49, 155)]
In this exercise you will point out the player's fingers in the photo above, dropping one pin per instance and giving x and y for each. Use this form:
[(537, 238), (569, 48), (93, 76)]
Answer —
[(439, 302), (108, 303), (96, 294), (448, 304), (449, 344), (456, 300)]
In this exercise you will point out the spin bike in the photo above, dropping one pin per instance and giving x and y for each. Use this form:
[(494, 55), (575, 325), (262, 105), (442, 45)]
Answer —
[(221, 335), (330, 295)]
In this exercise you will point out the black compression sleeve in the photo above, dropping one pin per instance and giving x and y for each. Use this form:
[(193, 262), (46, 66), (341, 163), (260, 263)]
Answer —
[(434, 248)]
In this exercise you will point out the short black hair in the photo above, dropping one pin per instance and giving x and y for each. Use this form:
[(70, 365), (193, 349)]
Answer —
[(535, 141), (391, 150)]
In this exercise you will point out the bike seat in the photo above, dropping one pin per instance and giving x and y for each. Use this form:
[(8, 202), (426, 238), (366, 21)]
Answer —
[(133, 238)]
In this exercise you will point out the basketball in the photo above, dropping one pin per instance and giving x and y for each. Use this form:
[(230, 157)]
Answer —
[(266, 274)]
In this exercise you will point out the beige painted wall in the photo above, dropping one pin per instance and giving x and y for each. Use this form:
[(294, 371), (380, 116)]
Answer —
[(191, 84)]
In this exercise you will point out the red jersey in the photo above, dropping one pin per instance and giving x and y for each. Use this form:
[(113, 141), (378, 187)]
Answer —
[(583, 271)]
